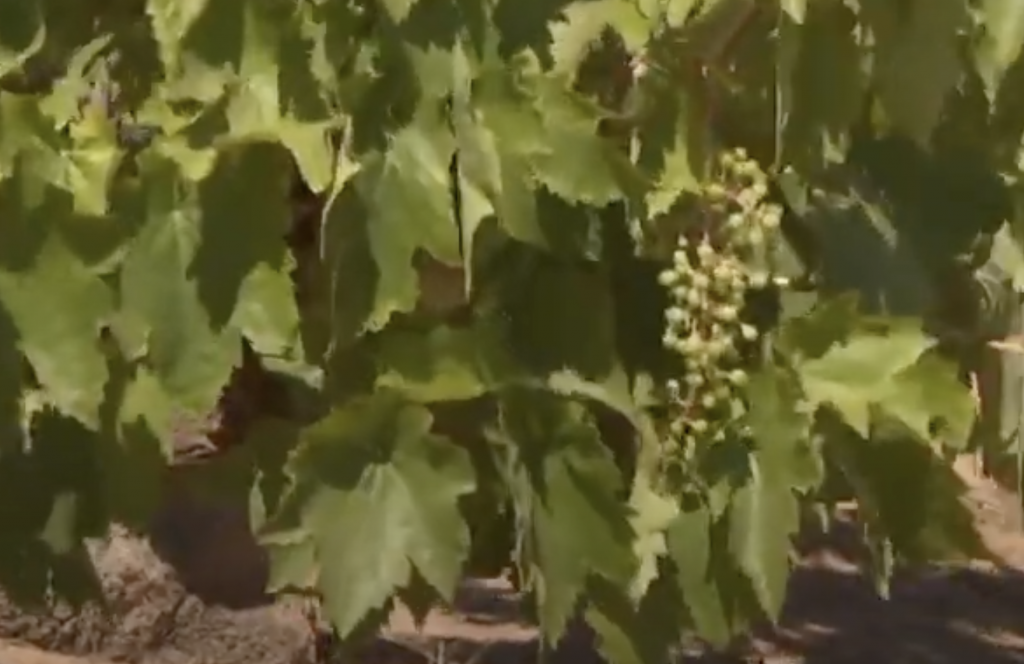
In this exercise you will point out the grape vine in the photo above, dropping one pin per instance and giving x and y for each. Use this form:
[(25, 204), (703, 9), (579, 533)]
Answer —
[(611, 292)]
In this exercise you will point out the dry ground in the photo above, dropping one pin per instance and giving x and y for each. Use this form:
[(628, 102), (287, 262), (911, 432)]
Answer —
[(972, 614)]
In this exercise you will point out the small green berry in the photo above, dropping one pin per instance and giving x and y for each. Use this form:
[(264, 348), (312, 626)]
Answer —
[(675, 315)]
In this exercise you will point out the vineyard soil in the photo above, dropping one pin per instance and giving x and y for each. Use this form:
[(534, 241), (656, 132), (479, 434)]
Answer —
[(965, 614)]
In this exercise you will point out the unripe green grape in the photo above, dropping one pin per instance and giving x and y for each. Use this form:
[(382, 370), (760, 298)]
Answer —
[(771, 219), (693, 345), (747, 199), (705, 251), (726, 313), (716, 347), (715, 192), (724, 272), (738, 377), (669, 340), (708, 285), (678, 428), (675, 315)]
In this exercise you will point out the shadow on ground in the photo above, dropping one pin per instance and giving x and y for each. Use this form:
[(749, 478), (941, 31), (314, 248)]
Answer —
[(833, 616)]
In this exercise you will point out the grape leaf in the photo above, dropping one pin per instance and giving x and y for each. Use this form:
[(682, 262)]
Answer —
[(567, 489), (444, 364), (407, 193), (190, 355), (999, 47), (827, 84), (561, 318), (61, 339), (764, 513), (781, 430), (643, 632), (917, 60), (378, 494), (652, 515), (930, 390), (22, 33), (883, 471), (690, 548), (854, 376), (171, 21), (763, 517), (580, 165), (584, 23)]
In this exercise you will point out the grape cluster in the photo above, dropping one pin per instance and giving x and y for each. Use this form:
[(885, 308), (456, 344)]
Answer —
[(723, 253)]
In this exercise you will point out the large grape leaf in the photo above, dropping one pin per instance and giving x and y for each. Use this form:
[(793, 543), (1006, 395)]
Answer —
[(82, 167), (495, 132), (444, 363), (406, 191), (827, 81), (780, 426), (672, 142), (937, 525), (252, 65), (22, 33), (379, 496), (580, 164), (190, 354), (561, 316), (584, 23), (856, 220), (631, 632), (698, 575), (859, 374), (241, 265), (764, 512), (999, 46), (763, 518), (61, 338), (567, 489), (652, 513), (917, 59)]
